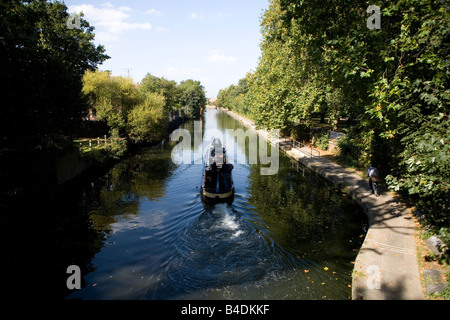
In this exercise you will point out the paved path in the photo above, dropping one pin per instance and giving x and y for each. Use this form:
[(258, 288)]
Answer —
[(386, 267)]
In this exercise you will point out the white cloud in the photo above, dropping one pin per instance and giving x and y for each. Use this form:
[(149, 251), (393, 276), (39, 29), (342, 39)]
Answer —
[(154, 12), (110, 22), (218, 56), (196, 16)]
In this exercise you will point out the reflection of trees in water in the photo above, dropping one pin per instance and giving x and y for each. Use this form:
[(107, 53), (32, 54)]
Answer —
[(118, 193), (99, 203), (48, 235), (302, 210), (298, 209), (225, 122)]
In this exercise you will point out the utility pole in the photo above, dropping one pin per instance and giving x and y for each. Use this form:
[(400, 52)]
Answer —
[(128, 72)]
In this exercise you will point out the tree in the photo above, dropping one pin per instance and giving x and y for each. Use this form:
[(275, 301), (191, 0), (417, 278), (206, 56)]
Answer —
[(168, 88), (392, 83), (43, 62), (193, 97), (234, 97), (319, 57), (112, 97), (411, 106), (149, 119)]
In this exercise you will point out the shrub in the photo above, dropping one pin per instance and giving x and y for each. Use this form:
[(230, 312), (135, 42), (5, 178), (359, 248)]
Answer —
[(321, 141)]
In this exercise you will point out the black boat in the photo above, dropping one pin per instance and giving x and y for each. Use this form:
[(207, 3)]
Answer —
[(217, 185)]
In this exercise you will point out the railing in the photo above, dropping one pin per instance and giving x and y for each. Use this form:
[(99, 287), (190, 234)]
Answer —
[(308, 150)]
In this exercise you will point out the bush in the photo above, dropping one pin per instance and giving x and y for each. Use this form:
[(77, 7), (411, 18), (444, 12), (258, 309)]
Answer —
[(321, 141), (301, 132), (117, 148)]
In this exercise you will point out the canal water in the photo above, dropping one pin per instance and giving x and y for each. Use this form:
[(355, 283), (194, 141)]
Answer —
[(141, 231)]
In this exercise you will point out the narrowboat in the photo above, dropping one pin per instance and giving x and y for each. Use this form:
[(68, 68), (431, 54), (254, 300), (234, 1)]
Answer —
[(217, 183)]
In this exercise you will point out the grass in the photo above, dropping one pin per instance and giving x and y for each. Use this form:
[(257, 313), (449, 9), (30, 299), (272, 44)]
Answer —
[(96, 150), (83, 144)]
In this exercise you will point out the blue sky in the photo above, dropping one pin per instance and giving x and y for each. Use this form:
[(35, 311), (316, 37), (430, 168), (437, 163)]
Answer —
[(215, 42)]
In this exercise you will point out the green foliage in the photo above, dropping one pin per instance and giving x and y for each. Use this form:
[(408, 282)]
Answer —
[(43, 62), (140, 113), (117, 148), (112, 97), (164, 87), (443, 294), (426, 170), (412, 106), (193, 98), (149, 119), (301, 132), (235, 98), (321, 141), (355, 147), (319, 58), (291, 84)]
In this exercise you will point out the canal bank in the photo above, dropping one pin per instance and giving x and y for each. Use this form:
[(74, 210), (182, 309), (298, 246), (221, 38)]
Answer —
[(73, 163), (386, 267)]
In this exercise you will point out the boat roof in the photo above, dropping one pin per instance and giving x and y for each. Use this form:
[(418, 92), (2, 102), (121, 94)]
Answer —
[(216, 144)]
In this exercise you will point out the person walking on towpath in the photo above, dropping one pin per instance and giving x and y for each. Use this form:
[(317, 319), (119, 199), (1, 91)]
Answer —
[(372, 173)]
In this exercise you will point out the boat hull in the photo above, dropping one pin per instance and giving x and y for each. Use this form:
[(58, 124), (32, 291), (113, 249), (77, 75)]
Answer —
[(212, 197)]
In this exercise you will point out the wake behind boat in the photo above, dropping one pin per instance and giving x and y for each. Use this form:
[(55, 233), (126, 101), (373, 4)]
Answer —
[(217, 183)]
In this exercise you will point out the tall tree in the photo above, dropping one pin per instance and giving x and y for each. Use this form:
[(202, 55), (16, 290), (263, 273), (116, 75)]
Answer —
[(193, 97), (392, 83), (168, 88), (43, 62), (112, 97), (234, 97), (149, 119)]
